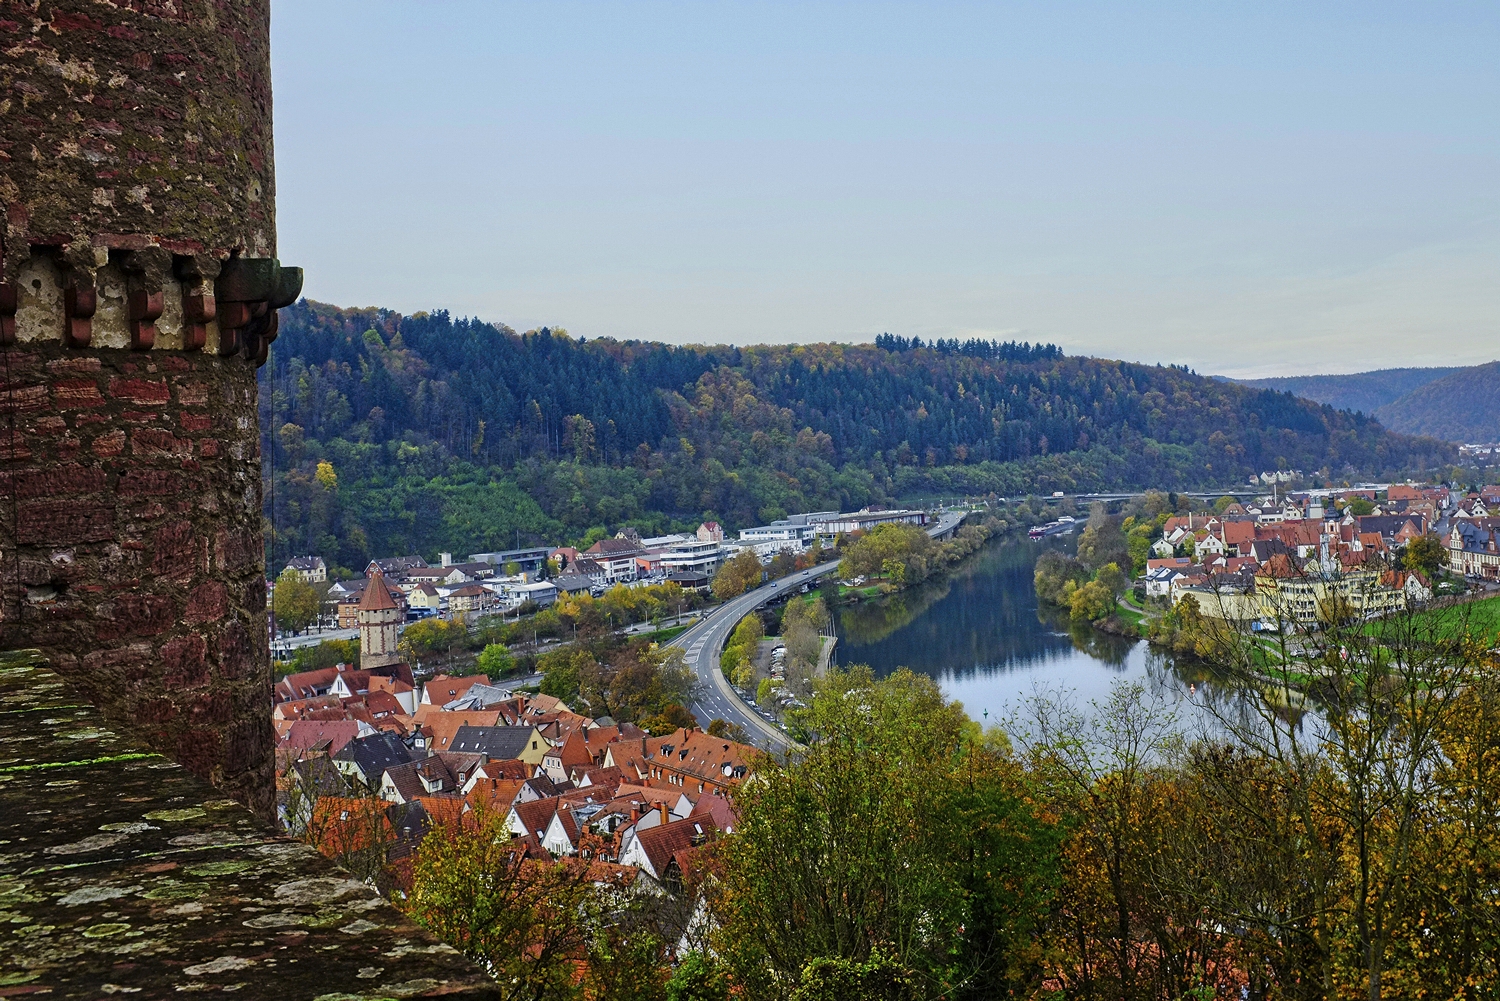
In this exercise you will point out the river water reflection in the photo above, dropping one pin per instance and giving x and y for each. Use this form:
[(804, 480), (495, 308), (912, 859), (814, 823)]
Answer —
[(979, 632)]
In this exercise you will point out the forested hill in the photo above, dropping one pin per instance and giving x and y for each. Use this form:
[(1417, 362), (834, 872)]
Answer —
[(1366, 392), (388, 433), (1462, 406)]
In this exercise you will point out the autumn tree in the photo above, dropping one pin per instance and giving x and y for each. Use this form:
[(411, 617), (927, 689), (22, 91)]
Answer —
[(294, 602), (1103, 540), (531, 923), (802, 626), (896, 830), (1366, 776), (894, 550), (737, 576), (878, 978), (1113, 579), (728, 730), (430, 636), (1107, 769), (738, 659), (1425, 553), (1052, 574), (1090, 601), (633, 683)]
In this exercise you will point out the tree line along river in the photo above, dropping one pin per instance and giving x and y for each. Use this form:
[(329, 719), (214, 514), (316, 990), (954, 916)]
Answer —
[(981, 633)]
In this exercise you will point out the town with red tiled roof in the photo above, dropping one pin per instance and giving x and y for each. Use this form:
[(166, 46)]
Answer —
[(1239, 560)]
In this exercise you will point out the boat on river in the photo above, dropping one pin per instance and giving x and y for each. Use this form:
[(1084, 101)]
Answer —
[(1061, 526)]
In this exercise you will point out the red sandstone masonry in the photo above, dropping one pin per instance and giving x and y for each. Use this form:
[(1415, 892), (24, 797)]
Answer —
[(133, 553), (129, 479), (139, 390)]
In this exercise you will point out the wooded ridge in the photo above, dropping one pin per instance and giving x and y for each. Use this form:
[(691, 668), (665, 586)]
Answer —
[(388, 433)]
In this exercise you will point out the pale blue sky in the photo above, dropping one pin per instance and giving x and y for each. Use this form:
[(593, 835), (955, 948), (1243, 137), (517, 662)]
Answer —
[(1251, 189)]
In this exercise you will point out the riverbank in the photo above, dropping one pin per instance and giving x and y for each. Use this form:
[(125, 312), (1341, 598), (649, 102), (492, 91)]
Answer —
[(907, 558), (979, 631)]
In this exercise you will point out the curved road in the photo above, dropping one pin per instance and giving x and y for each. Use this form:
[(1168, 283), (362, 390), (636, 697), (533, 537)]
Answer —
[(704, 642)]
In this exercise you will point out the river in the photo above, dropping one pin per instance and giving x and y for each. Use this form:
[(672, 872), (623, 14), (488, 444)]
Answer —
[(978, 631)]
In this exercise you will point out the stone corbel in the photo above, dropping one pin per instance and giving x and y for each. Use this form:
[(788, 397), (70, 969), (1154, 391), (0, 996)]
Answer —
[(146, 271), (250, 290), (80, 300), (287, 287), (80, 263), (199, 307), (9, 301)]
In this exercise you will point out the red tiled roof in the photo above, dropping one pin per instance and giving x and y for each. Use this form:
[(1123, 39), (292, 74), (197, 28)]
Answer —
[(307, 733), (303, 684), (719, 808), (395, 686), (498, 795), (442, 690), (536, 815), (377, 596), (444, 725), (572, 752), (664, 841), (1279, 565)]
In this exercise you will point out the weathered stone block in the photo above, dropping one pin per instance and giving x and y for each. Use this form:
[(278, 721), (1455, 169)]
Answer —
[(62, 522), (186, 662), (153, 482), (236, 653), (210, 602), (70, 394), (149, 443), (137, 615), (140, 390)]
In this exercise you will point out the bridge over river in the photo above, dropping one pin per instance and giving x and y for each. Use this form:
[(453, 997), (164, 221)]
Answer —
[(704, 642)]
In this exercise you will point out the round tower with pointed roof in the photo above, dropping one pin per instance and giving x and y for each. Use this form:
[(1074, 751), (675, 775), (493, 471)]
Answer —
[(379, 625)]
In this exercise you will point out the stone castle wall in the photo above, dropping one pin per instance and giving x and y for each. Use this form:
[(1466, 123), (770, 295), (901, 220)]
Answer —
[(127, 124), (138, 293), (132, 546)]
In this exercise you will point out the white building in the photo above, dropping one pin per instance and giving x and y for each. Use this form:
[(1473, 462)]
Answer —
[(795, 531), (311, 569), (693, 557), (543, 592), (865, 521)]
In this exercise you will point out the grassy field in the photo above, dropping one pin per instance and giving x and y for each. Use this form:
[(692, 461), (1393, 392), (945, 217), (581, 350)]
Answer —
[(1480, 616), (663, 635), (868, 591)]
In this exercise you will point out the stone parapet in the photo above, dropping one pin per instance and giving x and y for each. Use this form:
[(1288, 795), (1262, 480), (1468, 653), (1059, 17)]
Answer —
[(124, 874), (147, 300)]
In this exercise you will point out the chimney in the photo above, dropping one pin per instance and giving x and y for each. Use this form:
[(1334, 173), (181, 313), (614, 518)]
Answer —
[(664, 818), (635, 813)]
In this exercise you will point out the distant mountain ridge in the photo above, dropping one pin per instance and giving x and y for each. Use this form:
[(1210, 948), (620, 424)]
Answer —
[(1462, 406), (1365, 392), (1454, 404)]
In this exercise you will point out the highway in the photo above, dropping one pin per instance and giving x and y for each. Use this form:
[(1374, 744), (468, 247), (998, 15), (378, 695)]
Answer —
[(703, 643)]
